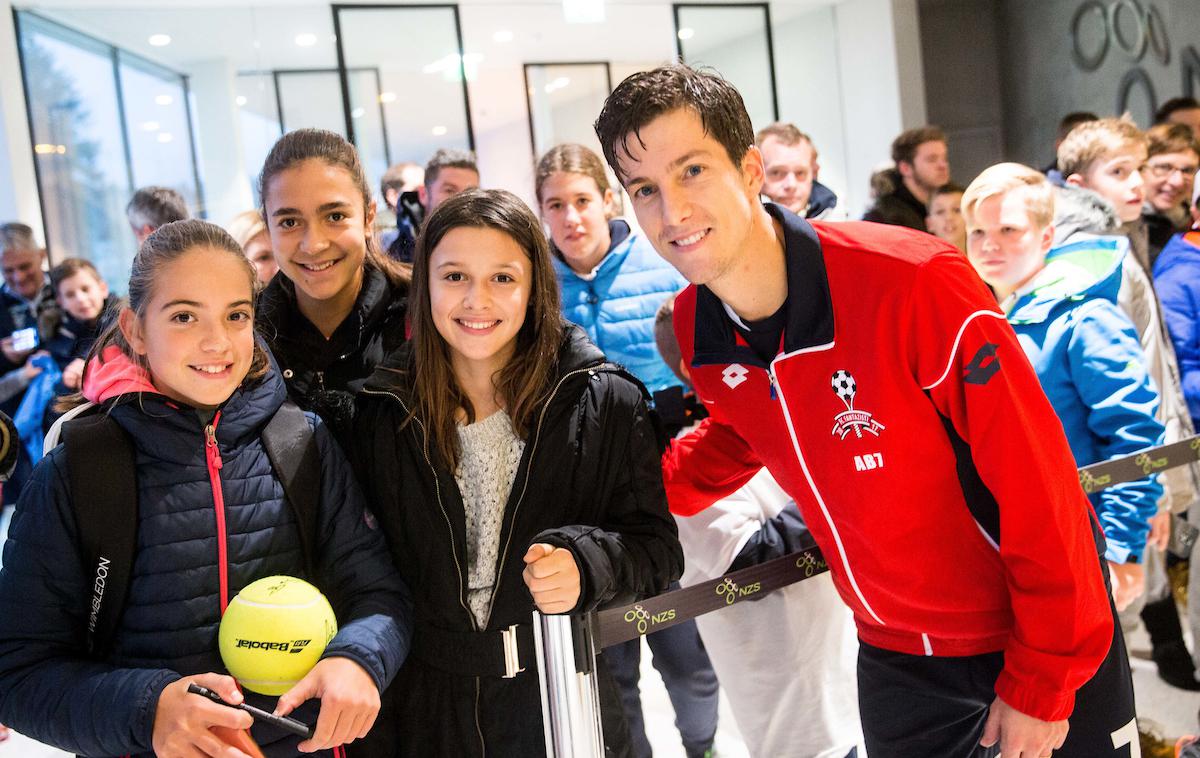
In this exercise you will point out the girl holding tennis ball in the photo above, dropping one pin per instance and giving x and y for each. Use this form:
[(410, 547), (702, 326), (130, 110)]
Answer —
[(182, 376), (520, 469)]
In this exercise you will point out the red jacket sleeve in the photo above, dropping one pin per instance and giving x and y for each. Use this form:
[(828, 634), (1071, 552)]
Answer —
[(967, 358)]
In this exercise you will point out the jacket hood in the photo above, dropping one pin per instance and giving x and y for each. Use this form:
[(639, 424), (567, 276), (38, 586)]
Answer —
[(822, 199), (1181, 249), (1079, 213), (114, 374), (575, 352), (1073, 273)]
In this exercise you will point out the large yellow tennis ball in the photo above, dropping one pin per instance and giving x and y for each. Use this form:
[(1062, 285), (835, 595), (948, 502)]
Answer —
[(274, 632)]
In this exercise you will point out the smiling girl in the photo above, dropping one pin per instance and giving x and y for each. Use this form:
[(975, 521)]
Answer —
[(520, 470), (182, 377), (339, 307)]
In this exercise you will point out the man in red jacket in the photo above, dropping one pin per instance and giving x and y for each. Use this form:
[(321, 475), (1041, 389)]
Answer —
[(870, 370)]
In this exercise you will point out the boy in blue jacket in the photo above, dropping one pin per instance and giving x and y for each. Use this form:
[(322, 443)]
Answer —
[(1062, 304)]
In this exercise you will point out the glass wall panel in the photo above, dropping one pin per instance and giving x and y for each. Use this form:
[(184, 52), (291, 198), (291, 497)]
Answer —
[(736, 41), (258, 120), (311, 99), (156, 115), (564, 100), (421, 90), (83, 174)]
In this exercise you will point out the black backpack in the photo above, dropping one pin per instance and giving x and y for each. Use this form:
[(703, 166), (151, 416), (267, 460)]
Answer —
[(101, 463)]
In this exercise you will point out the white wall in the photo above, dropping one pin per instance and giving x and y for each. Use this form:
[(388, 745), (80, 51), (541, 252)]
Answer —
[(219, 141), (18, 183)]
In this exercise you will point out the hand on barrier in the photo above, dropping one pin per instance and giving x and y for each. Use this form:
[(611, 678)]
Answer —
[(349, 702), (1128, 581), (1021, 735), (182, 722), (1160, 530), (552, 577)]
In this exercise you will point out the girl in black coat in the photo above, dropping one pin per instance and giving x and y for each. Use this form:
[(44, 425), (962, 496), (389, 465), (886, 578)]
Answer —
[(337, 306), (562, 506)]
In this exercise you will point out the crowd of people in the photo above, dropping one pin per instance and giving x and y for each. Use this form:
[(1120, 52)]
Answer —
[(503, 409)]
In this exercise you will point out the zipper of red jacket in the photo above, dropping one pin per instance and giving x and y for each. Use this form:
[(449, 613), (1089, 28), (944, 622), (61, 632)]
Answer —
[(212, 456)]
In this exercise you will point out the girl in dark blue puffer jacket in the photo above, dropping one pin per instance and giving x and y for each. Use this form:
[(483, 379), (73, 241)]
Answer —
[(181, 373)]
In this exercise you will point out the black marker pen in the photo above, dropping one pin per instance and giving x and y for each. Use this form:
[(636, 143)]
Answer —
[(289, 725)]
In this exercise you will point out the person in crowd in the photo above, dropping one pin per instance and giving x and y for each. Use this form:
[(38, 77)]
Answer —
[(1084, 216), (339, 307), (516, 468), (1062, 304), (945, 219), (922, 165), (250, 231), (1065, 125), (1169, 173), (151, 207), (820, 346), (806, 665), (447, 173), (29, 315), (84, 298), (1177, 279), (181, 365), (1180, 110), (792, 169), (612, 283), (399, 183)]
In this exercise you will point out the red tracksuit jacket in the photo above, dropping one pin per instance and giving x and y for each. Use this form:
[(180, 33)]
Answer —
[(903, 417)]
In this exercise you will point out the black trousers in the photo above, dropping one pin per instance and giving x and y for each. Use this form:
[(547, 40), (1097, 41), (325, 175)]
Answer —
[(928, 707)]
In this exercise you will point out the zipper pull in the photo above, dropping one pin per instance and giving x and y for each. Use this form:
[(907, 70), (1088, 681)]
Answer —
[(321, 381), (771, 377), (213, 453)]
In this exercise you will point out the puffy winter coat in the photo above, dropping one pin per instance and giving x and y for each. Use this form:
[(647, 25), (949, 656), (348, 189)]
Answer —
[(195, 551), (311, 364), (1090, 363), (589, 481), (617, 303), (1177, 278), (1081, 215)]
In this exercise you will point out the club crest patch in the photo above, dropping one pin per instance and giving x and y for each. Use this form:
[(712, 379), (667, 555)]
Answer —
[(851, 420)]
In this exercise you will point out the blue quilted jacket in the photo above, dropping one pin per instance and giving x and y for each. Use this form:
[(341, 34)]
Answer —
[(50, 689), (1091, 366), (617, 303)]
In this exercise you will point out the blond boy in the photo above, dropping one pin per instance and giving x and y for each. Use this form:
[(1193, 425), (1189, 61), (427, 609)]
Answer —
[(1107, 156)]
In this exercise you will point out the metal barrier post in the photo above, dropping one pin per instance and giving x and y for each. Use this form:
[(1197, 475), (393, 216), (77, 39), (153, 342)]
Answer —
[(566, 656)]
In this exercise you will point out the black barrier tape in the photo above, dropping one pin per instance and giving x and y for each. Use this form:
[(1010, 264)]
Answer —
[(617, 625)]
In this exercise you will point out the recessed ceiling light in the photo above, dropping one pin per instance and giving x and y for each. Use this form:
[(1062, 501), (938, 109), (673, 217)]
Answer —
[(687, 32), (358, 113), (306, 40), (240, 100), (159, 40), (583, 11), (150, 126), (502, 36), (165, 137), (439, 131), (387, 97), (163, 99)]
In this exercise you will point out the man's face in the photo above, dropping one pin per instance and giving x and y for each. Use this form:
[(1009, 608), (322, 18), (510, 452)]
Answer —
[(1188, 117), (1004, 245), (23, 272), (449, 182), (945, 219), (695, 206), (930, 167), (1117, 177), (1169, 178), (790, 173)]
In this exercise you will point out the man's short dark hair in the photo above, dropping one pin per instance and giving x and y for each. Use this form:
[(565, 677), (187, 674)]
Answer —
[(645, 96), (1163, 114), (1072, 120), (449, 158), (950, 188), (155, 206), (904, 147)]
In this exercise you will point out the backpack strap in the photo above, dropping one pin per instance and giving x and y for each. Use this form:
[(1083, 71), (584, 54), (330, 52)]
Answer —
[(292, 448), (102, 475)]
